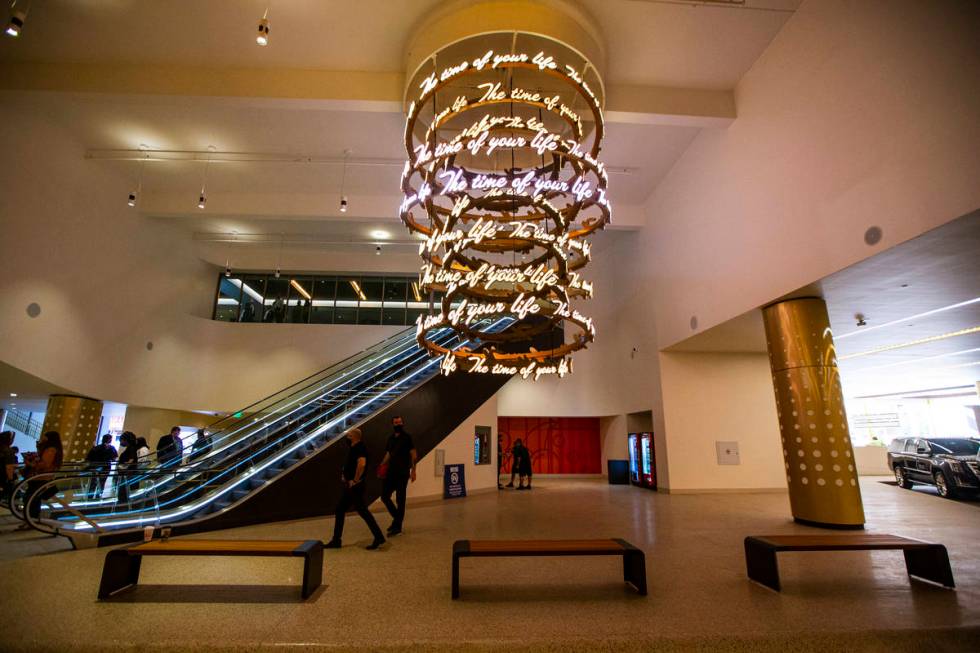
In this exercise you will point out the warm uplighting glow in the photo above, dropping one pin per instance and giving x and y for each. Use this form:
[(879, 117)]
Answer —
[(357, 289), (300, 289), (380, 234)]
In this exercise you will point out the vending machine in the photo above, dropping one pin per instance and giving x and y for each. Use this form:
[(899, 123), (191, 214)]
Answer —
[(648, 467), (634, 447)]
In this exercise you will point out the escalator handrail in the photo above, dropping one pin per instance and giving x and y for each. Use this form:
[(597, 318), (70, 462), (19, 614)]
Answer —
[(310, 437)]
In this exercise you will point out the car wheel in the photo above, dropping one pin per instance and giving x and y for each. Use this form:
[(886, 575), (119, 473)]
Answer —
[(944, 488), (901, 479)]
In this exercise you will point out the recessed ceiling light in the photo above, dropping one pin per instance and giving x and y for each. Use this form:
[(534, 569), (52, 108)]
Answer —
[(380, 234), (13, 394)]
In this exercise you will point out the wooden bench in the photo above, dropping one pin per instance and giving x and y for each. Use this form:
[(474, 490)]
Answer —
[(922, 559), (634, 562), (122, 566)]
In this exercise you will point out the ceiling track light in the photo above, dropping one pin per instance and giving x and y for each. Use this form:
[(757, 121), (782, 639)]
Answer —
[(17, 19), (203, 199), (134, 195), (343, 181), (377, 250), (262, 38)]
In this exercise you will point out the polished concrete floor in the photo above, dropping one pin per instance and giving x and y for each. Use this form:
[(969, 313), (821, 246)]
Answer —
[(398, 598)]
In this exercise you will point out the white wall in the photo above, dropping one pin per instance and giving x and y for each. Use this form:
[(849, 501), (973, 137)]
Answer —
[(858, 114), (871, 461), (459, 450), (726, 397), (109, 281)]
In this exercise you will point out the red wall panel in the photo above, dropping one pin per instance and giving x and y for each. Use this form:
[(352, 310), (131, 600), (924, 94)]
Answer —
[(558, 445)]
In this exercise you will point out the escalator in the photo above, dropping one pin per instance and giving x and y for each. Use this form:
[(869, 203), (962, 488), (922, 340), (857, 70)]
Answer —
[(276, 459)]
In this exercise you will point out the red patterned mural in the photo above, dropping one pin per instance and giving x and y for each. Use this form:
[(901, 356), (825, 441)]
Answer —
[(558, 445)]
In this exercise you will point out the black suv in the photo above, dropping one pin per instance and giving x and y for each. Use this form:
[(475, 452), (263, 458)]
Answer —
[(951, 464)]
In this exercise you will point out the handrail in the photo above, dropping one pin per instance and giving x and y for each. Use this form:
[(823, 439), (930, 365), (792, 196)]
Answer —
[(256, 449)]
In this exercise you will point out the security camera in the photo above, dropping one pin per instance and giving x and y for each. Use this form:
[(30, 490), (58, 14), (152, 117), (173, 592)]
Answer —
[(860, 320), (228, 271), (343, 204)]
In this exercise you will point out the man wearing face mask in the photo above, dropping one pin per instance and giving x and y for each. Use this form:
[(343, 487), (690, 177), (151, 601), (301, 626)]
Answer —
[(399, 460)]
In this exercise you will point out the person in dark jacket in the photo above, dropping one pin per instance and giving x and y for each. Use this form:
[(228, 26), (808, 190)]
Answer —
[(399, 460), (170, 448), (128, 461), (352, 478), (523, 463), (100, 459), (202, 445), (515, 452)]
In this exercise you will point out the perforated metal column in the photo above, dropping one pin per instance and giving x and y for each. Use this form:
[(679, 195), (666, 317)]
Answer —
[(77, 420), (819, 458)]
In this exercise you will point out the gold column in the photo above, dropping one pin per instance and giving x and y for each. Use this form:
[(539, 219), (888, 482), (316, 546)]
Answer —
[(77, 420), (823, 483)]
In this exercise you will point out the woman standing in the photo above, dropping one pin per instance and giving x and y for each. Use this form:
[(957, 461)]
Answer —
[(50, 455)]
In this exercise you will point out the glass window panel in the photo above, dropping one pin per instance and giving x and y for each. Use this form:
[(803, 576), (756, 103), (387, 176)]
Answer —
[(392, 315), (345, 289), (345, 315), (324, 291), (229, 299), (413, 314), (253, 297), (369, 316), (299, 302), (276, 293), (395, 290)]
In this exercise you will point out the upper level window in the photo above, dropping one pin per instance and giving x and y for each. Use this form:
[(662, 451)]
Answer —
[(320, 299)]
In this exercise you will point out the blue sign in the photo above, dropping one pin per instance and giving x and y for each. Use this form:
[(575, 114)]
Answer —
[(454, 481)]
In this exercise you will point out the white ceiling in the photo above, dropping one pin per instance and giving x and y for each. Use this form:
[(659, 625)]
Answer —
[(648, 41), (892, 290)]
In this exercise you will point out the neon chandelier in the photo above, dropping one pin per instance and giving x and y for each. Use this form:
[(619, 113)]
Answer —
[(504, 184)]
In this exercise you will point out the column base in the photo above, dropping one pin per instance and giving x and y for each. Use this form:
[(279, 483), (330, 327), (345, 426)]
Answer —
[(839, 527)]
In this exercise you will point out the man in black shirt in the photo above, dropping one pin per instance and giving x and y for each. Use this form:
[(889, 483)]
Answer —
[(100, 459), (400, 459), (353, 494), (170, 449)]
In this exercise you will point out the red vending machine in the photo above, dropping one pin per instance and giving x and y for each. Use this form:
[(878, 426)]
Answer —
[(648, 466), (634, 447)]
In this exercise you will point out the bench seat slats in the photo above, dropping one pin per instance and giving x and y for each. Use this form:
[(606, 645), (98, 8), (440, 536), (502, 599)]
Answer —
[(219, 547), (839, 542), (528, 547)]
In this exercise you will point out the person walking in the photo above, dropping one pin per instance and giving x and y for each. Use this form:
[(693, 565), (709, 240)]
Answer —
[(352, 478), (100, 459), (399, 467)]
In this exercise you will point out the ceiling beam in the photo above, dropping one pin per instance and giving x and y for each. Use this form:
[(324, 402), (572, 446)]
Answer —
[(336, 90)]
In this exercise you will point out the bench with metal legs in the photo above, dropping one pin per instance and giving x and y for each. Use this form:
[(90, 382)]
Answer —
[(924, 560), (122, 566), (634, 561)]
